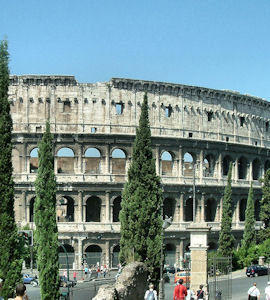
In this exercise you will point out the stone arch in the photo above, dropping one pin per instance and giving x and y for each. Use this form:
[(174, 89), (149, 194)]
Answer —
[(93, 255), (65, 161), (116, 208), (168, 207), (170, 251), (93, 209), (242, 168), (92, 158), (266, 165), (16, 161), (209, 163), (31, 209), (188, 210), (226, 164), (242, 210), (34, 160), (189, 159), (63, 257), (115, 256), (65, 209), (167, 163), (256, 169), (210, 210), (118, 161)]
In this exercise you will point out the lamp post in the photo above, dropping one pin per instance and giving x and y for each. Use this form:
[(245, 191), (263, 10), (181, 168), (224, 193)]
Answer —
[(166, 223), (194, 193)]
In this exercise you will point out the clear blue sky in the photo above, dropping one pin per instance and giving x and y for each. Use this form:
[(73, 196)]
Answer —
[(223, 44)]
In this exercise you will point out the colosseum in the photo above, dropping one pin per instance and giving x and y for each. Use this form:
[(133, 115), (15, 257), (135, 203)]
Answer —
[(196, 133)]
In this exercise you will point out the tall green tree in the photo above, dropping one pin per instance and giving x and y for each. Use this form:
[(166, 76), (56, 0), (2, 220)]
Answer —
[(265, 207), (140, 216), (249, 236), (46, 235), (226, 238), (10, 245)]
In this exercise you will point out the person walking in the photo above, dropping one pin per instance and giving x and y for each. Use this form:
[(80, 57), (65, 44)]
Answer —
[(75, 276), (85, 272), (201, 293), (150, 294), (267, 291), (190, 294), (253, 292), (180, 291)]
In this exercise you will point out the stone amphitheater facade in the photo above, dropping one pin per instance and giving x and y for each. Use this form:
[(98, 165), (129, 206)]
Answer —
[(196, 132)]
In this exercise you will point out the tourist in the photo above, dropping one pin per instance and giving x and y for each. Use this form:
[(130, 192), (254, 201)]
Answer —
[(253, 292), (190, 294), (201, 293), (21, 292), (180, 291), (267, 291), (150, 294), (85, 272), (75, 276)]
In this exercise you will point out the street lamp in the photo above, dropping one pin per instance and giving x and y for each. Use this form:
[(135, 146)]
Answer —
[(166, 223), (194, 193)]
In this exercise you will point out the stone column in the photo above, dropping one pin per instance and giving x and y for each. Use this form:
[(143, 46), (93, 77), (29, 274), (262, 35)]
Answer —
[(80, 254), (235, 173), (23, 213), (219, 167), (80, 159), (200, 163), (180, 164), (107, 253), (181, 207), (202, 219), (250, 170), (198, 254), (236, 215), (177, 211), (221, 208), (107, 160), (157, 161), (107, 207), (80, 207)]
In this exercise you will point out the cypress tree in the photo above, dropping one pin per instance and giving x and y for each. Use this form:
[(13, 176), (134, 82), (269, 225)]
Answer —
[(249, 231), (265, 207), (140, 216), (226, 238), (46, 234), (10, 246)]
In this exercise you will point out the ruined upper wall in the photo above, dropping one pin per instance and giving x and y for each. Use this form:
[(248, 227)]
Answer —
[(114, 108)]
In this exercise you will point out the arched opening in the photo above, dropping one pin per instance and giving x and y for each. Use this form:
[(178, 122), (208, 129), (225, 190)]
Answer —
[(34, 160), (118, 161), (93, 255), (65, 161), (188, 164), (31, 209), (242, 168), (188, 210), (242, 210), (212, 246), (116, 208), (92, 161), (257, 210), (226, 164), (64, 259), (256, 169), (168, 207), (210, 210), (166, 163), (65, 209), (170, 254), (115, 256), (266, 165), (93, 209), (209, 165)]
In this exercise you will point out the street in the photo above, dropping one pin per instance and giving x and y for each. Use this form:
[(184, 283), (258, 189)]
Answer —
[(87, 290)]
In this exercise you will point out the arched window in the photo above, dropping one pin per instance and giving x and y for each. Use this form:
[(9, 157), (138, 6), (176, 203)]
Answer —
[(166, 163), (188, 210), (31, 209), (34, 160), (208, 165), (65, 161), (118, 161), (65, 209), (92, 161), (188, 164), (170, 254), (256, 169), (115, 256), (242, 168), (226, 164), (116, 208), (210, 210), (93, 255), (63, 257), (168, 207), (93, 209), (242, 210)]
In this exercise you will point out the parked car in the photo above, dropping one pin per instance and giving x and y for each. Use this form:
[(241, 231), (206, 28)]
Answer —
[(64, 282), (30, 279), (256, 270), (182, 275), (170, 269)]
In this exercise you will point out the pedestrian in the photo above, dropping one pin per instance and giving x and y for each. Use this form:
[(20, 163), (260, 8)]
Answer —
[(65, 275), (75, 276), (180, 291), (201, 293), (253, 292), (85, 272), (267, 291), (190, 294), (150, 294), (104, 270), (21, 292), (98, 271)]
